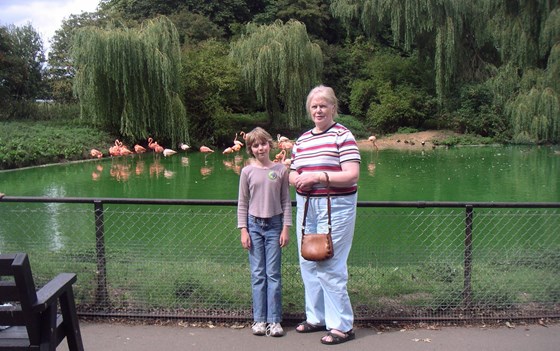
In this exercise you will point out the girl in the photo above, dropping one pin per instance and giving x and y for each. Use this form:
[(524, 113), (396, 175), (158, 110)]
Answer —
[(264, 217)]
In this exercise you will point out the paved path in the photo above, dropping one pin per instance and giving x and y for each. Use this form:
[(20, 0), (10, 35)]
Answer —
[(123, 337)]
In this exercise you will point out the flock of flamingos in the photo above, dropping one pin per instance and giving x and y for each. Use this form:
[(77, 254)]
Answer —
[(119, 149), (121, 171), (284, 144)]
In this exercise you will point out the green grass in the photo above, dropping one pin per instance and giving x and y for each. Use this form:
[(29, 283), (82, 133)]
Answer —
[(202, 285), (31, 143)]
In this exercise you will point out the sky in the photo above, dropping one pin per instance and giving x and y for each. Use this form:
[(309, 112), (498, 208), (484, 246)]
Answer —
[(44, 15)]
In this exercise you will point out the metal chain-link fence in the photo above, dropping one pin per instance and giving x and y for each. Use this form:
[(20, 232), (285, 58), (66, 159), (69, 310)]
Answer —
[(141, 258)]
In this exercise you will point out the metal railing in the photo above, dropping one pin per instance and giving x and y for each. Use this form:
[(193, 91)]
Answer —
[(156, 258)]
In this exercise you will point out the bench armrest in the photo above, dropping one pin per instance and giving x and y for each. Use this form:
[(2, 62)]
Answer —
[(51, 291)]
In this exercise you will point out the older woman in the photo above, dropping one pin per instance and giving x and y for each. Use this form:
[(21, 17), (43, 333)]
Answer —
[(326, 154)]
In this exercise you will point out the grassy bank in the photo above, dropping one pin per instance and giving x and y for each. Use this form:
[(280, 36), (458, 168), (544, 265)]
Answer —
[(32, 143)]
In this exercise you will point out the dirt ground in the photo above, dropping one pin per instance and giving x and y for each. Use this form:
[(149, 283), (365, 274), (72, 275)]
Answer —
[(408, 141)]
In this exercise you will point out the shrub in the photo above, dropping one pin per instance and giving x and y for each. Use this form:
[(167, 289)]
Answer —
[(354, 125)]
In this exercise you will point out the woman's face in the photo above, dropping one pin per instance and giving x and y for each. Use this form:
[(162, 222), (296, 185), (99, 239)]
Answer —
[(321, 112)]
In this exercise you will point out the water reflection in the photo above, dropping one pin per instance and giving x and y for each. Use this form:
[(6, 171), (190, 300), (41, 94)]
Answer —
[(206, 171), (96, 174), (234, 164), (371, 168), (122, 168)]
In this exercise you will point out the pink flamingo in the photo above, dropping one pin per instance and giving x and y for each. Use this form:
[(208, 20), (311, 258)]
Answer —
[(281, 156), (139, 149), (155, 146), (206, 149), (95, 153), (283, 142), (124, 150), (115, 150)]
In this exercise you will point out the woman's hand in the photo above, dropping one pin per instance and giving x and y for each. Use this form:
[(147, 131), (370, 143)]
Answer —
[(305, 181)]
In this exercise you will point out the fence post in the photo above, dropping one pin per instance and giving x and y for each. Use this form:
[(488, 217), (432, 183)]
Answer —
[(101, 295), (467, 288)]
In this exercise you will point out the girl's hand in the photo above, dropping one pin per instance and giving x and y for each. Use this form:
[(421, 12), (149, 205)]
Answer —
[(245, 239), (285, 237)]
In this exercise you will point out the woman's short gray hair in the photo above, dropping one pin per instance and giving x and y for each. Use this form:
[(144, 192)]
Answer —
[(325, 92)]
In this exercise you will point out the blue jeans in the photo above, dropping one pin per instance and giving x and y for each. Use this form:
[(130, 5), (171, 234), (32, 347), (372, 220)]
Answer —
[(265, 258)]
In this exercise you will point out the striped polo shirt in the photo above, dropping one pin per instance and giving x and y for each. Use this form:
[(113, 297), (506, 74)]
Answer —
[(325, 151)]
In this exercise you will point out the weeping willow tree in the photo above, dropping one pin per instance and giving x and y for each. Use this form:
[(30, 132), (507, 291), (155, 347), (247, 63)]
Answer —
[(280, 64), (511, 44), (127, 80), (527, 86), (437, 29)]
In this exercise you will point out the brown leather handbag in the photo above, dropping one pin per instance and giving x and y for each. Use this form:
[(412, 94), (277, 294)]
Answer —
[(317, 246)]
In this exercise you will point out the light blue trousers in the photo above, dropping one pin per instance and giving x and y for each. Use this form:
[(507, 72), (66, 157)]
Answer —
[(326, 295)]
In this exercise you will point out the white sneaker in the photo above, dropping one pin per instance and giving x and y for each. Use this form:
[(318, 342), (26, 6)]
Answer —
[(274, 329), (259, 328)]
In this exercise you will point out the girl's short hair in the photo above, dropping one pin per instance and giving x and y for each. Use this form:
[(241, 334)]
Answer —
[(326, 93), (257, 135)]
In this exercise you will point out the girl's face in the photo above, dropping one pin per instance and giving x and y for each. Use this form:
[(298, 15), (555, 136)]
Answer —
[(261, 149), (322, 112)]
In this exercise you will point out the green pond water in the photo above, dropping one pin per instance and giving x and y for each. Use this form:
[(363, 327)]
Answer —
[(510, 174)]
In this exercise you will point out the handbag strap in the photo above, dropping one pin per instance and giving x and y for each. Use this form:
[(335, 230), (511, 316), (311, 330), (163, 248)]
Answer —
[(328, 207)]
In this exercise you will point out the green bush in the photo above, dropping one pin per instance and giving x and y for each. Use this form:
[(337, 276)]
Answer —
[(476, 114), (356, 127), (398, 106)]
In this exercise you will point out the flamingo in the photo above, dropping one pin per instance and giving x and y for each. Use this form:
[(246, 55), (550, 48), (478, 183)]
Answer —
[(168, 152), (206, 149), (281, 138), (155, 146), (287, 145), (236, 147), (115, 150), (373, 140), (151, 143), (95, 153), (124, 150), (184, 146), (159, 149), (139, 149), (237, 142), (281, 156), (228, 150), (284, 143)]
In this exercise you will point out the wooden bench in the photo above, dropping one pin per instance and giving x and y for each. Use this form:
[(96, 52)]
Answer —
[(31, 319)]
